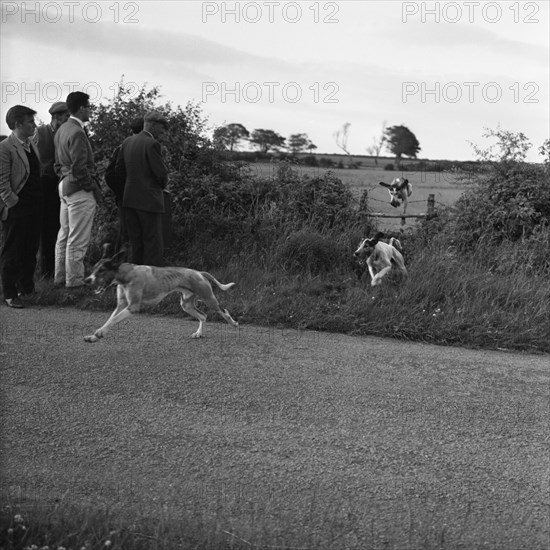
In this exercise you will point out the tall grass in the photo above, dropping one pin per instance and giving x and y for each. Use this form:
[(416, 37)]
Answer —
[(448, 298)]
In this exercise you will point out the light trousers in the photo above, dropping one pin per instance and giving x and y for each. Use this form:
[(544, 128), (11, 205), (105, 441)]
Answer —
[(76, 216)]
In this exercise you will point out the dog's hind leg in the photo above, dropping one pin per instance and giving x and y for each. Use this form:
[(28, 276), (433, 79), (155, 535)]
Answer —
[(187, 303), (398, 259), (212, 302), (225, 314)]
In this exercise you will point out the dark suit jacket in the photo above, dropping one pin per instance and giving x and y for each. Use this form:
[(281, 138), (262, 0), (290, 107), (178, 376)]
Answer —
[(74, 158), (14, 172), (44, 141), (140, 158)]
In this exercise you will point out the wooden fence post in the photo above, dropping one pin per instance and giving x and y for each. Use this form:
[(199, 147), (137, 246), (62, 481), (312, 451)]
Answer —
[(431, 206)]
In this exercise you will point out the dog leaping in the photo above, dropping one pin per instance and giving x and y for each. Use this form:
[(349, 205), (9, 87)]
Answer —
[(400, 189), (140, 285)]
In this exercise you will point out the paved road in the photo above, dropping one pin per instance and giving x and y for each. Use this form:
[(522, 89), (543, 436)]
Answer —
[(362, 422)]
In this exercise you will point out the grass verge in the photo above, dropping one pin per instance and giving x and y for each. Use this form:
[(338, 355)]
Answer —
[(447, 299)]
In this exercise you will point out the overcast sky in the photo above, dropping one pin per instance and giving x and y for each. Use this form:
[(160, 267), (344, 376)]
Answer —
[(446, 70)]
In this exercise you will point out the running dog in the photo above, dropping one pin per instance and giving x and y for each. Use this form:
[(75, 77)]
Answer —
[(400, 189), (139, 285), (380, 256)]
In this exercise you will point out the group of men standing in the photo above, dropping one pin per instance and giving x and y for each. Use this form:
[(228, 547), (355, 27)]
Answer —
[(49, 193)]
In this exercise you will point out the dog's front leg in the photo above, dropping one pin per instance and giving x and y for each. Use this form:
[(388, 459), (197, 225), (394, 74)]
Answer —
[(378, 279), (371, 271), (113, 320)]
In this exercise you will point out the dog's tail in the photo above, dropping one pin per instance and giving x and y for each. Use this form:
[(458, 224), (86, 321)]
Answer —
[(213, 279), (396, 243)]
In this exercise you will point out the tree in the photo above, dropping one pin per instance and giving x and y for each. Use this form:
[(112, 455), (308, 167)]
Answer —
[(110, 124), (341, 137), (377, 144), (401, 141), (544, 152), (228, 136), (300, 142), (311, 147), (266, 140)]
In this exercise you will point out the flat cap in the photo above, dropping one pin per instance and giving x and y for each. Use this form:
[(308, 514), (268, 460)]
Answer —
[(155, 116), (58, 107)]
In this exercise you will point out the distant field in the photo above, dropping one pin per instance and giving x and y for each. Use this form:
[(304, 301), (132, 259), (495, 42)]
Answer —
[(447, 187)]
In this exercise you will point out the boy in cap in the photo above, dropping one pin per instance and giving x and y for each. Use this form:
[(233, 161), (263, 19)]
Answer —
[(44, 139), (140, 159)]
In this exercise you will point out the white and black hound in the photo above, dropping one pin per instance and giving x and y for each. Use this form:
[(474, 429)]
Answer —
[(139, 285), (400, 189), (380, 256)]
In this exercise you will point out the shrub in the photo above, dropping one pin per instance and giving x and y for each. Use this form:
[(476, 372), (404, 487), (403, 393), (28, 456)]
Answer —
[(326, 163), (509, 203), (309, 251), (309, 160), (322, 202), (388, 166)]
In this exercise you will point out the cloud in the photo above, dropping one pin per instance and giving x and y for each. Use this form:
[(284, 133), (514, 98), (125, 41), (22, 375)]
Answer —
[(456, 38), (129, 42)]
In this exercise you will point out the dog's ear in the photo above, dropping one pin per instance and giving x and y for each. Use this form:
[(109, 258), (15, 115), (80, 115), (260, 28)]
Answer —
[(106, 250), (386, 185), (372, 242), (379, 235)]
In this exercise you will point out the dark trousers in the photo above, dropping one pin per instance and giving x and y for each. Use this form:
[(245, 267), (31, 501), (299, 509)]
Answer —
[(18, 256), (145, 235), (50, 225), (122, 234)]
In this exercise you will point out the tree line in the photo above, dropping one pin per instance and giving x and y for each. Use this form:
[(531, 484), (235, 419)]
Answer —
[(229, 136), (398, 140)]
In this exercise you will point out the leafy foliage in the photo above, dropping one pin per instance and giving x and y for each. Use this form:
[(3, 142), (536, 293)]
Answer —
[(507, 204), (401, 141), (300, 142), (510, 146), (228, 136), (267, 140)]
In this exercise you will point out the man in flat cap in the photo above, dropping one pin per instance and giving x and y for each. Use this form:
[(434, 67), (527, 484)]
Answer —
[(44, 139), (140, 162)]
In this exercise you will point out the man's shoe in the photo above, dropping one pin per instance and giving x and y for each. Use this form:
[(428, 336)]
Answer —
[(14, 302)]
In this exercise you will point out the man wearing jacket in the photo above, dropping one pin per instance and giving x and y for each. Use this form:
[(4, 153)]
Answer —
[(20, 206), (140, 161), (50, 222), (78, 192)]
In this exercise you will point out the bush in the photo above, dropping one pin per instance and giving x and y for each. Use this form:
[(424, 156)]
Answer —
[(388, 166), (309, 160), (507, 204), (326, 163), (309, 251)]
